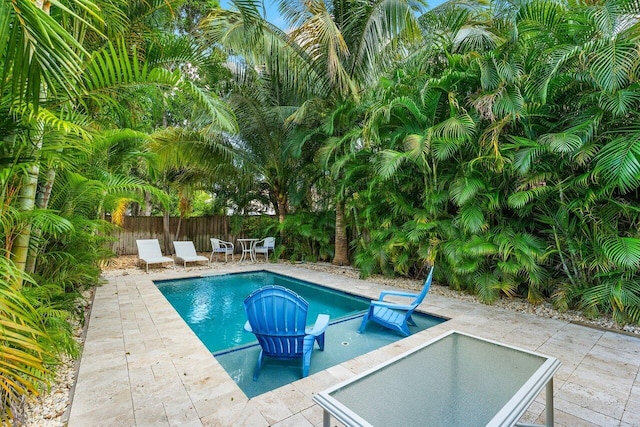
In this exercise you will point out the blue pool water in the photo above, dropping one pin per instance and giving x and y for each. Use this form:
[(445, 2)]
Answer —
[(213, 308)]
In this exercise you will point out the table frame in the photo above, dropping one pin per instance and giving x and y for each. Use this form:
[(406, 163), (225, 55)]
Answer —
[(247, 248), (507, 416)]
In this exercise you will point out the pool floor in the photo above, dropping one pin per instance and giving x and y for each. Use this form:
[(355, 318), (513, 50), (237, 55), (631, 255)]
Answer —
[(213, 306), (342, 343)]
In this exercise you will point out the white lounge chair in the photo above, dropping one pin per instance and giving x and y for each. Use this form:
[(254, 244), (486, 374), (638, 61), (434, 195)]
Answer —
[(264, 246), (186, 252), (149, 252), (221, 247)]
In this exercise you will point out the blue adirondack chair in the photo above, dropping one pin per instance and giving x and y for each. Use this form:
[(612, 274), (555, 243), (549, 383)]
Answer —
[(278, 318), (396, 316)]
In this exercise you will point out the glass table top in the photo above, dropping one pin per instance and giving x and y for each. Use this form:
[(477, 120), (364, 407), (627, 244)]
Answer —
[(456, 380)]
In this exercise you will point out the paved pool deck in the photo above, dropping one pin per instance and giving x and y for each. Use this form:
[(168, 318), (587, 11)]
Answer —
[(143, 366)]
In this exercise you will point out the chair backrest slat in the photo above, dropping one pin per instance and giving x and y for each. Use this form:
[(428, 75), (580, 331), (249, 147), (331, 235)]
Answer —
[(215, 243), (425, 289), (278, 318), (185, 248), (149, 248), (270, 242)]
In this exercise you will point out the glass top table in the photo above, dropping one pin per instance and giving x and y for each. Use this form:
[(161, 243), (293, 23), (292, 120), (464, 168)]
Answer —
[(454, 380)]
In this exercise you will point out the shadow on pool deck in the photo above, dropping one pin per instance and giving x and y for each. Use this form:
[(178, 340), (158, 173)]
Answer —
[(142, 365)]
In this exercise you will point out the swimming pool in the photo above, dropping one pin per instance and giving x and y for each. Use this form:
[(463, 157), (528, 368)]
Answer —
[(213, 306)]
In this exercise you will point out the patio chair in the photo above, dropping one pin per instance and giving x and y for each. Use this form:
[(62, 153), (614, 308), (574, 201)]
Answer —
[(396, 316), (149, 252), (221, 247), (264, 246), (278, 318), (186, 252)]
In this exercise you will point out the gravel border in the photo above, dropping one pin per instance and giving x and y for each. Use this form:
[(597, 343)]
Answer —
[(52, 408)]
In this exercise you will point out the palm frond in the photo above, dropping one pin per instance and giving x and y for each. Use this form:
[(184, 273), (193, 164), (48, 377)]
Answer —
[(520, 199), (388, 163), (459, 128), (525, 152), (417, 145), (474, 38), (561, 142), (620, 102), (36, 48), (464, 190), (471, 219), (478, 246), (623, 251), (374, 28), (612, 62), (619, 161), (23, 342), (486, 285)]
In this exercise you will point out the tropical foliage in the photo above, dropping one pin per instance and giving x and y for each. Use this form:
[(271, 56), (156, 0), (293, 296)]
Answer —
[(500, 142), (333, 53), (520, 120), (82, 92)]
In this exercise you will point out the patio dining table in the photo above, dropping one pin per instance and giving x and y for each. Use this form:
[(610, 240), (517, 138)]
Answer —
[(247, 248), (455, 380)]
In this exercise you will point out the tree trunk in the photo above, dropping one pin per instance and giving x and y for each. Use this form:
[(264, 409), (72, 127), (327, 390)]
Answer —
[(283, 206), (147, 204), (175, 236), (26, 203), (341, 256), (166, 231), (42, 202), (27, 195), (43, 197)]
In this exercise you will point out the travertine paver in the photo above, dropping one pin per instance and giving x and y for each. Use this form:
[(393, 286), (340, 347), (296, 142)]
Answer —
[(143, 366)]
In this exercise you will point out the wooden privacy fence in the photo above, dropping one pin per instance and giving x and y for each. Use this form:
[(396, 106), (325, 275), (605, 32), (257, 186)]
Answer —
[(198, 229)]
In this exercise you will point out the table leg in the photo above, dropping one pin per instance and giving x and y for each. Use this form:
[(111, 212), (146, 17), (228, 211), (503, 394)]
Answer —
[(548, 409), (243, 244), (326, 418), (549, 401)]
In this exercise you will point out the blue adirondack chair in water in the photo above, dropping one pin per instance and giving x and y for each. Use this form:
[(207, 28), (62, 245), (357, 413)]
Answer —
[(278, 318), (396, 316)]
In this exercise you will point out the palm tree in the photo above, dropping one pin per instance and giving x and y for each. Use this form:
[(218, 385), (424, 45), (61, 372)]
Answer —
[(265, 142), (62, 93), (184, 161), (589, 78), (39, 56), (535, 132), (41, 60), (334, 52)]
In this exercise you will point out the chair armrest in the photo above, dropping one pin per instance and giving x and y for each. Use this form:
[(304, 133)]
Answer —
[(247, 327), (397, 294), (393, 305), (322, 321)]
